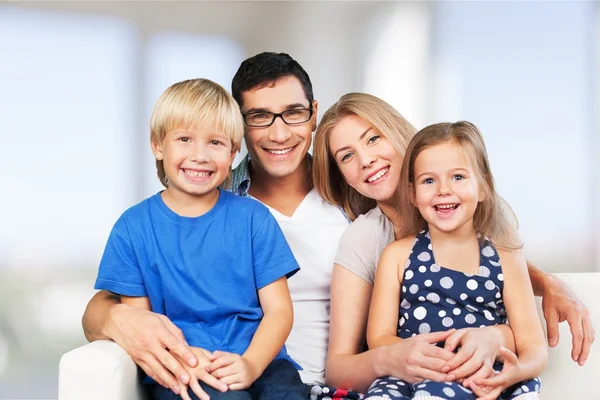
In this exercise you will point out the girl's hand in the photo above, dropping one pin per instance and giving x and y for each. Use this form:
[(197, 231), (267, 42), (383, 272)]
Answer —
[(233, 370), (479, 348), (491, 388), (200, 372)]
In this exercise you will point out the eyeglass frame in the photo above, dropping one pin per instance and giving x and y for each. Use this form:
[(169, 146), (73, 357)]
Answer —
[(280, 115)]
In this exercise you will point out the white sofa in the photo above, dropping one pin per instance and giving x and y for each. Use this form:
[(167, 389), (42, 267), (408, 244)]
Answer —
[(103, 370)]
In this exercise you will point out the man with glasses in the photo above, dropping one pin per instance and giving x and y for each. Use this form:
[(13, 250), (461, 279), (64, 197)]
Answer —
[(275, 96)]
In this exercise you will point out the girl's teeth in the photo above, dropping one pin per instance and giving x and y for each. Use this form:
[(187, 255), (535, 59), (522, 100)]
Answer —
[(378, 175)]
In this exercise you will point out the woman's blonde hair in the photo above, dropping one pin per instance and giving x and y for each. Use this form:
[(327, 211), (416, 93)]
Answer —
[(196, 103), (492, 215), (327, 178)]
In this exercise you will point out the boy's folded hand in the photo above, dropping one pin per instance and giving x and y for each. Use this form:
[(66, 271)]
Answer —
[(237, 372), (200, 373)]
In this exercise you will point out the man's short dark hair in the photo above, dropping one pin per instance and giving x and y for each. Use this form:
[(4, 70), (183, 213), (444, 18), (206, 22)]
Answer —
[(264, 69)]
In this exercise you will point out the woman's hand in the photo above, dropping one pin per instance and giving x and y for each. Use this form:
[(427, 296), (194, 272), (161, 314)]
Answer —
[(491, 388), (560, 304), (477, 352), (153, 342), (417, 358)]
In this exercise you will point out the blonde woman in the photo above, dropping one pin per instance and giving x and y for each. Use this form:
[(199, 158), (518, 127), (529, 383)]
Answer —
[(359, 148)]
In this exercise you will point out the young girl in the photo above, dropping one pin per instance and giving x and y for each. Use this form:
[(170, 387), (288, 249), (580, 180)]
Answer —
[(458, 265)]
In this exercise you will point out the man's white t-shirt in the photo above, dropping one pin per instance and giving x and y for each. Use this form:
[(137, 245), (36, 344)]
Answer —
[(313, 233)]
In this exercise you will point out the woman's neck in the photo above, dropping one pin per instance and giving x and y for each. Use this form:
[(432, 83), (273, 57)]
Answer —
[(390, 210)]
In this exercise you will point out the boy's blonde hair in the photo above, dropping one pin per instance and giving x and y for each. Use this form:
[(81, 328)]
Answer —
[(492, 216), (193, 104), (327, 178)]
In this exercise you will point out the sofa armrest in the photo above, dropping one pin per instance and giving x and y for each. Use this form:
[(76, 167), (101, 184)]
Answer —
[(99, 370)]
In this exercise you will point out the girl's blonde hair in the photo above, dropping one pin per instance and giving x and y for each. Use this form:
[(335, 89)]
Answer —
[(492, 216), (196, 103), (327, 178)]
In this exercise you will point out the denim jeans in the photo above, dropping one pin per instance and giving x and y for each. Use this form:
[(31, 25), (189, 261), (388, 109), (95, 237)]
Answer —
[(280, 380)]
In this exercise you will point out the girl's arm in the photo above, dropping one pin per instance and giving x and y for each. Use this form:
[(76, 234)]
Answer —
[(383, 312), (347, 366), (520, 305), (522, 314)]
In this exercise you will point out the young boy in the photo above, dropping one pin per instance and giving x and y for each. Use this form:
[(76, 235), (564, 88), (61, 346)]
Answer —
[(214, 263)]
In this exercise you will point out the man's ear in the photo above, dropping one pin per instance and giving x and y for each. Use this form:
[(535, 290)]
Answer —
[(313, 119), (157, 149)]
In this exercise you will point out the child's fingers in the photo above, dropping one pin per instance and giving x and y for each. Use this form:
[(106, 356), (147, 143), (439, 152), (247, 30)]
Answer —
[(509, 356), (457, 360), (454, 339), (183, 392), (210, 356), (494, 381), (228, 370), (213, 382), (237, 386), (232, 380), (479, 390), (485, 371), (222, 361), (219, 353), (197, 389), (492, 395)]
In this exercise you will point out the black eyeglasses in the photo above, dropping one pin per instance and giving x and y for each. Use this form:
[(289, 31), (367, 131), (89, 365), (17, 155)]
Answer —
[(260, 119)]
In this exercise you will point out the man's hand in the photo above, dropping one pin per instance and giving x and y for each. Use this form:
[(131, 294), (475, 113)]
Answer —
[(151, 340), (234, 370), (560, 304)]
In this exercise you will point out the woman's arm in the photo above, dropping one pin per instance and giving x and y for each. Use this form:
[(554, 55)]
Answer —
[(347, 366)]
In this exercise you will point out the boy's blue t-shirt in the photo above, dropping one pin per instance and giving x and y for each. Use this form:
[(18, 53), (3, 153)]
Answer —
[(204, 272)]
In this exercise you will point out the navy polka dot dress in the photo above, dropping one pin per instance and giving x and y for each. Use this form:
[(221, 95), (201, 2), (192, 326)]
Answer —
[(436, 299)]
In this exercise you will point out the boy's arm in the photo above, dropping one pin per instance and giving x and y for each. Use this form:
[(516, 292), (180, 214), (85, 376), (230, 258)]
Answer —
[(274, 328), (560, 304)]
